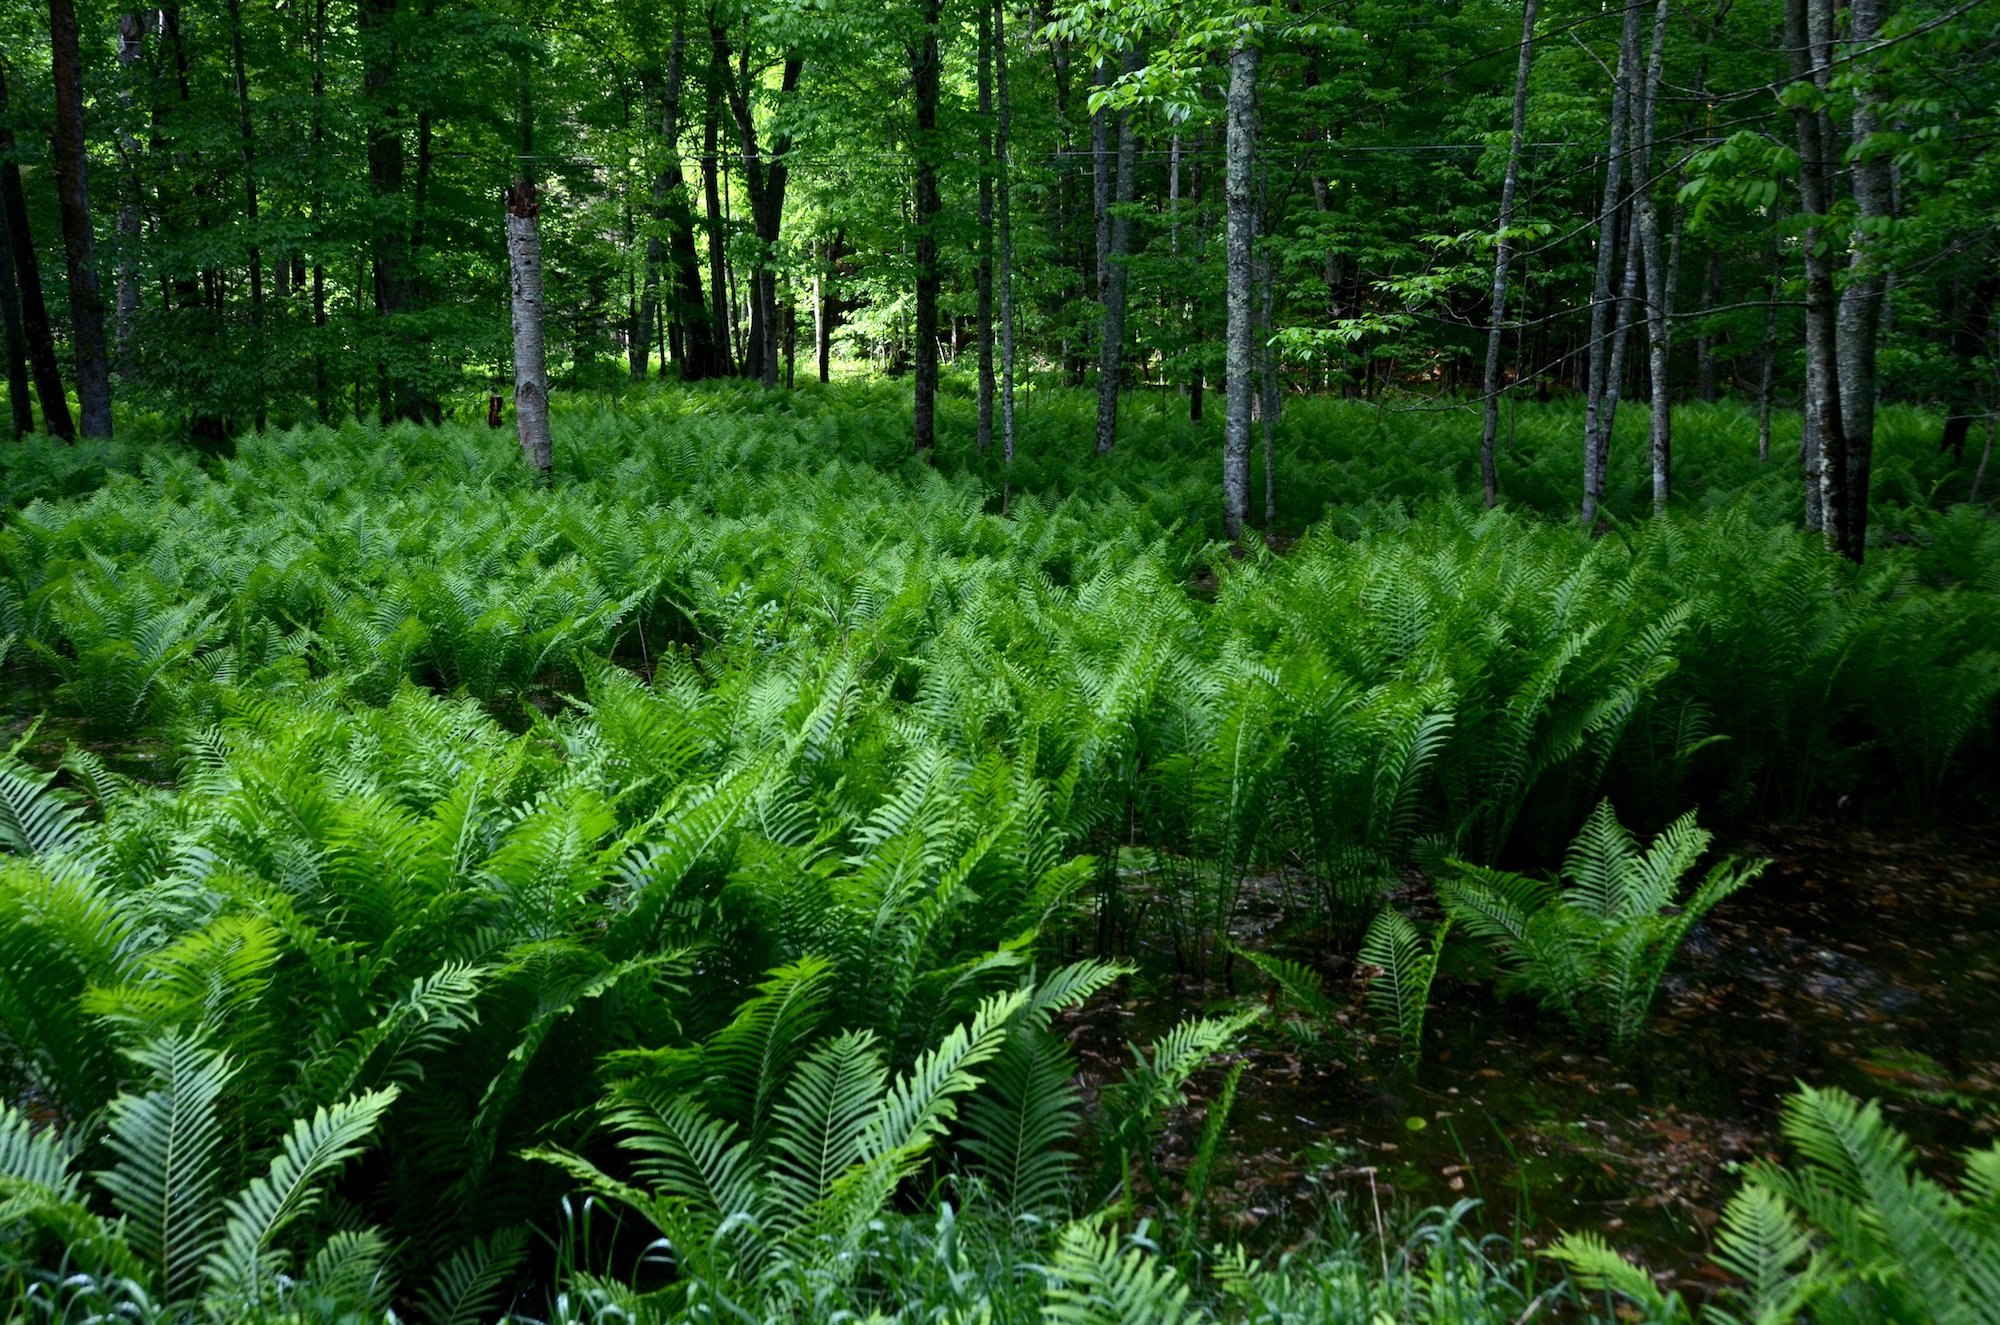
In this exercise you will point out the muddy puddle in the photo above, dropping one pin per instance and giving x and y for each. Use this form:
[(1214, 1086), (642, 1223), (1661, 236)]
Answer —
[(1865, 959)]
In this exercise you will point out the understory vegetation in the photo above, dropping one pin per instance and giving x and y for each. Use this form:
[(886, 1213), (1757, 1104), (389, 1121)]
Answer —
[(660, 895)]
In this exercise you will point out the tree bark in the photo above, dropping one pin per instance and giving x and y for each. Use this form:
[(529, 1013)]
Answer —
[(1596, 417), (925, 70), (1808, 25), (1114, 277), (718, 235), (1859, 322), (766, 182), (35, 329), (19, 403), (1659, 276), (1503, 254), (1242, 222), (1767, 358), (983, 280), (125, 306), (1004, 257), (86, 299), (247, 147), (531, 372)]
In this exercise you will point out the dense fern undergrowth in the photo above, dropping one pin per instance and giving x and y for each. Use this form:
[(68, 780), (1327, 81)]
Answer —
[(651, 897)]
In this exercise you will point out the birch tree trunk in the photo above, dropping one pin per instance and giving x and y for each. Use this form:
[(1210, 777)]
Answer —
[(1004, 258), (1659, 276), (1596, 416), (983, 314), (1861, 303), (86, 300), (1115, 280), (1822, 434), (531, 372), (1503, 254), (1242, 222)]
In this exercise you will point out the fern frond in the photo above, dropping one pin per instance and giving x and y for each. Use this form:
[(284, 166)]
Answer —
[(166, 1168), (309, 1154), (1021, 1124), (1401, 994), (464, 1290), (1091, 1282)]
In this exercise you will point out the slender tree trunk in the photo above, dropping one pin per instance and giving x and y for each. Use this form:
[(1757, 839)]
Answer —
[(925, 71), (1659, 275), (1004, 257), (983, 315), (1114, 278), (322, 390), (718, 234), (1823, 434), (1242, 222), (1267, 373), (1767, 357), (397, 397), (247, 147), (35, 328), (1503, 253), (18, 389), (1596, 418), (86, 300), (531, 372), (1861, 303), (1704, 346), (125, 309)]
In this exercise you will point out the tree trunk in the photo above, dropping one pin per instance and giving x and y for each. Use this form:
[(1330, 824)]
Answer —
[(718, 235), (1767, 358), (390, 240), (531, 372), (1704, 346), (35, 329), (1596, 420), (1805, 22), (18, 401), (925, 71), (1004, 257), (1503, 253), (247, 147), (1659, 276), (1861, 303), (1242, 221), (86, 300), (765, 181), (1114, 278), (983, 314), (125, 308)]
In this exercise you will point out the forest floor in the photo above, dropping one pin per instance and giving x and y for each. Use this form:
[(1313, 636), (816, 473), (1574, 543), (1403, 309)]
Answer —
[(1865, 957)]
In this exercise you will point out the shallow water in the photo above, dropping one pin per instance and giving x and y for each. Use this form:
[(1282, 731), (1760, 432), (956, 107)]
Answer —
[(1864, 958)]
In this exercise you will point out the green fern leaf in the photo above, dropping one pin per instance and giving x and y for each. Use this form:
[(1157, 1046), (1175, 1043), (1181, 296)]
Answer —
[(316, 1146)]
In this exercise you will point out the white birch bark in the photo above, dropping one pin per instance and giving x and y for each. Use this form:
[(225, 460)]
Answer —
[(1242, 221), (531, 372)]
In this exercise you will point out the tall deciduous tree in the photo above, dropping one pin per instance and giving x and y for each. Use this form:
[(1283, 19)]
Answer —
[(1503, 257), (72, 170)]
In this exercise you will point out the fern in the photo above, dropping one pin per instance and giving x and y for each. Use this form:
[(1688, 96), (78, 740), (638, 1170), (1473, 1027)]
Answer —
[(1091, 1282), (1597, 950), (167, 1167), (1406, 963), (245, 1256)]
